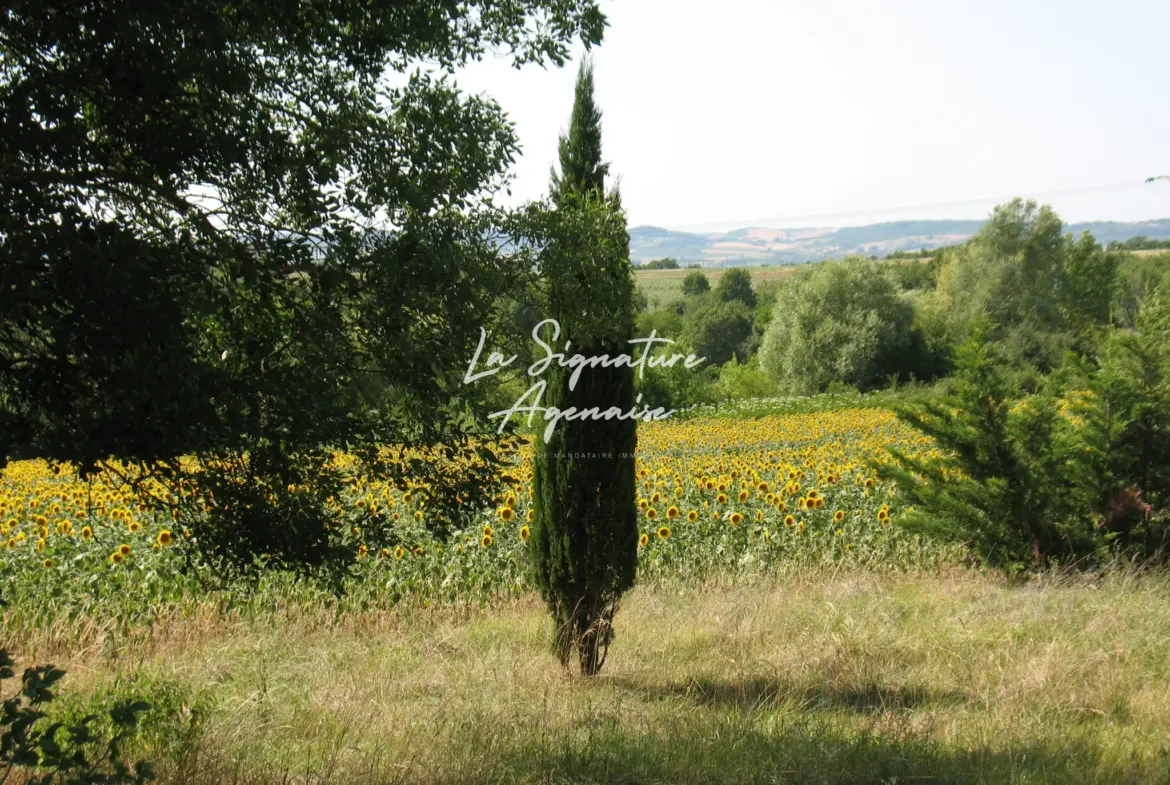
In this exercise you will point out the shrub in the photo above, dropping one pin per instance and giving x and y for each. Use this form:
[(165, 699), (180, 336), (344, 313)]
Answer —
[(1004, 478), (736, 285), (695, 283), (738, 381), (1072, 472), (59, 752)]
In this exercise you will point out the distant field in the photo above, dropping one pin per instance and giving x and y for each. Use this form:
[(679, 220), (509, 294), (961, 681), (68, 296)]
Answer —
[(662, 286)]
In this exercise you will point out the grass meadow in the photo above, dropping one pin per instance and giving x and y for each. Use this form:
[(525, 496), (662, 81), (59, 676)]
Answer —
[(822, 676)]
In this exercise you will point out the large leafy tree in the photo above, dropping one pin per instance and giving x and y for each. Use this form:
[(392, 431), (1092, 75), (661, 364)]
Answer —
[(695, 284), (736, 285), (1042, 292), (718, 331), (585, 532), (251, 233), (838, 322)]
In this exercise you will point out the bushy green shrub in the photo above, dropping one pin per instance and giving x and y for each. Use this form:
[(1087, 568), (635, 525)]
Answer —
[(1000, 478), (1078, 470), (740, 381), (45, 752), (695, 283)]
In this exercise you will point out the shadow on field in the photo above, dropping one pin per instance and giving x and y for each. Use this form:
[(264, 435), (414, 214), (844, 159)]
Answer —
[(711, 732), (712, 748), (758, 693), (797, 753)]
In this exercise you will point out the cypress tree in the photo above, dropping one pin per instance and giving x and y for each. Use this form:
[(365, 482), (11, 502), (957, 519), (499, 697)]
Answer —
[(585, 528)]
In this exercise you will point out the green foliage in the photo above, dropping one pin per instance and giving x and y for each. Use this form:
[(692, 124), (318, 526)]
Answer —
[(1140, 243), (676, 387), (666, 322), (190, 250), (1126, 408), (717, 330), (1042, 293), (1001, 478), (736, 285), (1067, 473), (921, 253), (1140, 276), (839, 322), (661, 264), (739, 381), (63, 753), (1090, 285), (912, 275), (585, 531), (579, 151), (695, 283)]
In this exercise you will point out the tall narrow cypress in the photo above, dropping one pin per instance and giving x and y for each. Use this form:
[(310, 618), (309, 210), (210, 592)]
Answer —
[(585, 529)]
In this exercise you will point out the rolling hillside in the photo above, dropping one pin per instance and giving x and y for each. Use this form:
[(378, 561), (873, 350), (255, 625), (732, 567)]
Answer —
[(755, 246)]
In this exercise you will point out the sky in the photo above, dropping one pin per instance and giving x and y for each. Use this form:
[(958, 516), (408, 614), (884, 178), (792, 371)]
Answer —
[(784, 113)]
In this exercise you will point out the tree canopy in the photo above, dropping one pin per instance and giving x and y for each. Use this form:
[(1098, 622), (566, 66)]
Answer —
[(736, 284), (250, 233), (838, 322), (695, 283)]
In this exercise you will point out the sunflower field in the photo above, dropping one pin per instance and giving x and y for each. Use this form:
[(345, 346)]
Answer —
[(718, 497)]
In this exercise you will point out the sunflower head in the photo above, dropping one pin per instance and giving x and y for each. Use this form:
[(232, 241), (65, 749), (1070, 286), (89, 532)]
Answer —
[(664, 532)]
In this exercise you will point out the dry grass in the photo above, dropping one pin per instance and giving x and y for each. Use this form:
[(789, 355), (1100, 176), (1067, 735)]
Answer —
[(830, 678)]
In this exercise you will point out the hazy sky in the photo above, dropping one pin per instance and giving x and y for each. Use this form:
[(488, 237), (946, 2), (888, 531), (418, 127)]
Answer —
[(835, 112)]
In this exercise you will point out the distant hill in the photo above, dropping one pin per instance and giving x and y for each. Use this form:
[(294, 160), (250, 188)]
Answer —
[(756, 245)]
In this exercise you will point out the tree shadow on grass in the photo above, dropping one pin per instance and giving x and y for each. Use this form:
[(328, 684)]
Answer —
[(759, 692), (737, 732), (715, 747), (816, 755)]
